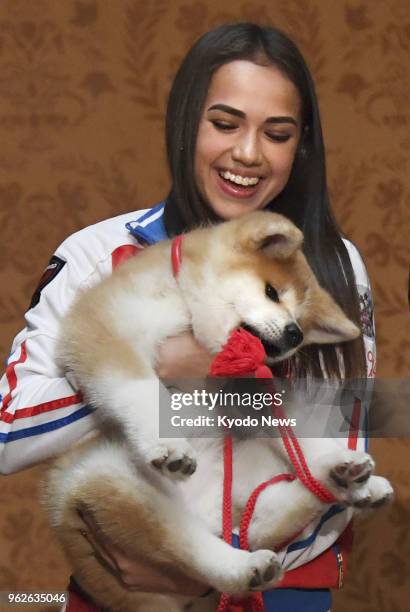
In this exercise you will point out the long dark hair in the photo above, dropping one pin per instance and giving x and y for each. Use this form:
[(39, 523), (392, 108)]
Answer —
[(304, 200)]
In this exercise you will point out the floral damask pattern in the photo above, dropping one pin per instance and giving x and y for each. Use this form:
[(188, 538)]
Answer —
[(41, 97), (83, 87)]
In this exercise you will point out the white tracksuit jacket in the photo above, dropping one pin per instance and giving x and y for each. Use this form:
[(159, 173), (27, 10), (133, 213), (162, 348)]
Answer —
[(41, 413)]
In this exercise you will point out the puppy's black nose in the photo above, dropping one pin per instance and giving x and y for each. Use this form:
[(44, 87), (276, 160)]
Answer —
[(293, 335)]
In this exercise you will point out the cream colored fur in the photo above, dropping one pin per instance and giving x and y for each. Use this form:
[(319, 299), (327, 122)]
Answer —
[(170, 519)]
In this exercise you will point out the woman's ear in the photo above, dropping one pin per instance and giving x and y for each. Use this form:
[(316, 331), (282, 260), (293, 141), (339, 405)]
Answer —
[(271, 234)]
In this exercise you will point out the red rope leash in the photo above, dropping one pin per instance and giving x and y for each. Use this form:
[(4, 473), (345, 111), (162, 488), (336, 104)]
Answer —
[(244, 354), (250, 507), (253, 603), (227, 492), (298, 460)]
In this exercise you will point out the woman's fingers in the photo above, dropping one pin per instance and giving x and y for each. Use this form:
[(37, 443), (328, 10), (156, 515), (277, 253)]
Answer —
[(105, 553)]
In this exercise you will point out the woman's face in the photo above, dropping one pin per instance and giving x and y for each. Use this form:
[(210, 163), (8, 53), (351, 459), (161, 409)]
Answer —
[(247, 137)]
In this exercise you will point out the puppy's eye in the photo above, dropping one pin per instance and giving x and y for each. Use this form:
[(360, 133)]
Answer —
[(271, 293)]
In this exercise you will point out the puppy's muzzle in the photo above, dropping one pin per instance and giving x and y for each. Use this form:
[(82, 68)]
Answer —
[(291, 337)]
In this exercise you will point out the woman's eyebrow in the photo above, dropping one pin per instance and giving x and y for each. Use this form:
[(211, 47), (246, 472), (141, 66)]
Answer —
[(238, 113), (228, 109)]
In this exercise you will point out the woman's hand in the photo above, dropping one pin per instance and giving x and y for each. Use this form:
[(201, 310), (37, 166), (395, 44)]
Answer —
[(183, 357), (135, 575)]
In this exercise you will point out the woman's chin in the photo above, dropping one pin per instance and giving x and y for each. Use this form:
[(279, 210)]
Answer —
[(228, 209)]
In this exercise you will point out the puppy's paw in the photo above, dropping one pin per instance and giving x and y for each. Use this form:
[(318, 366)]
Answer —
[(355, 468), (175, 458), (381, 492), (350, 477), (256, 571), (347, 473), (265, 570)]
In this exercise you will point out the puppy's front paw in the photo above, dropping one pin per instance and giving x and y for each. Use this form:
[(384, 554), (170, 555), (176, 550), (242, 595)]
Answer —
[(173, 457)]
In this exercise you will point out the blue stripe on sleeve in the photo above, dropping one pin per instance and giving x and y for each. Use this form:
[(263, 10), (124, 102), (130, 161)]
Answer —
[(45, 427)]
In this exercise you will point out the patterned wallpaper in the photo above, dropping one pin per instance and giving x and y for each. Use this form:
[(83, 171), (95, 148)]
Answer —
[(83, 85)]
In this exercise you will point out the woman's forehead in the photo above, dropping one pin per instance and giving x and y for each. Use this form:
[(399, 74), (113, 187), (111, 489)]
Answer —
[(252, 88)]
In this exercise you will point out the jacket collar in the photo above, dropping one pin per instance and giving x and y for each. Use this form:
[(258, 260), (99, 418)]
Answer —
[(149, 228)]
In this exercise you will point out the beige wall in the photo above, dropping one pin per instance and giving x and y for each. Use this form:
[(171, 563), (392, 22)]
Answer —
[(83, 85)]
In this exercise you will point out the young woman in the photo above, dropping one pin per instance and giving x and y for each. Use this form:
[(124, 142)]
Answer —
[(243, 133)]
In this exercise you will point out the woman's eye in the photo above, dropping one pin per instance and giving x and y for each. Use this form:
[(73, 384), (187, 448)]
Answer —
[(223, 125), (271, 293), (278, 137)]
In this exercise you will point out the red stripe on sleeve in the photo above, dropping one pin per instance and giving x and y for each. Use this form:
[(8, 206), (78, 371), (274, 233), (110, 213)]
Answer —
[(12, 376), (23, 413), (354, 424)]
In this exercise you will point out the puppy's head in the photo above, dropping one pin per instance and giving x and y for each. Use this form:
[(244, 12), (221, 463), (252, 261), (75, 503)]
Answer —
[(254, 274)]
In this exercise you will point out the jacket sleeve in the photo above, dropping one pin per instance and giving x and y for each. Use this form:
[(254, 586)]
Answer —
[(41, 412)]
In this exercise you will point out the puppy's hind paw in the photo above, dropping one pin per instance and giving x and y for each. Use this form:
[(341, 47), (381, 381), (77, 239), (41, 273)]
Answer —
[(355, 470), (348, 478), (355, 483), (381, 492)]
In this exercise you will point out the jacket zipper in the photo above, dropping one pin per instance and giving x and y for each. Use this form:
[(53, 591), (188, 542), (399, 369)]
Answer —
[(339, 561)]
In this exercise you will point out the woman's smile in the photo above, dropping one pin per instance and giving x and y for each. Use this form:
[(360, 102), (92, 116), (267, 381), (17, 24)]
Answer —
[(238, 185)]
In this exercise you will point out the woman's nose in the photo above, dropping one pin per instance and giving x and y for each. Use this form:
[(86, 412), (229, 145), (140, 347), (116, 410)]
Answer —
[(247, 150)]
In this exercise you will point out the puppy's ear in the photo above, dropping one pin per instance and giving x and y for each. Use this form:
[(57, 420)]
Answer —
[(270, 233), (329, 324)]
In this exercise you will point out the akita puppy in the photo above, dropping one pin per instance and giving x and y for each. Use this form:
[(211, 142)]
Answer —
[(249, 271)]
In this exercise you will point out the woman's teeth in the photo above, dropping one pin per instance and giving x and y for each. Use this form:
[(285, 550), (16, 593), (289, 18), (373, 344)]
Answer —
[(239, 180)]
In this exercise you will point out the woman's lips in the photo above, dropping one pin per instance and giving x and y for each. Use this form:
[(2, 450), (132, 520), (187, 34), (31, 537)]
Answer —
[(236, 191)]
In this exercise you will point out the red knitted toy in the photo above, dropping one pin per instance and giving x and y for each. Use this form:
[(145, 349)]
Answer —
[(242, 354)]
